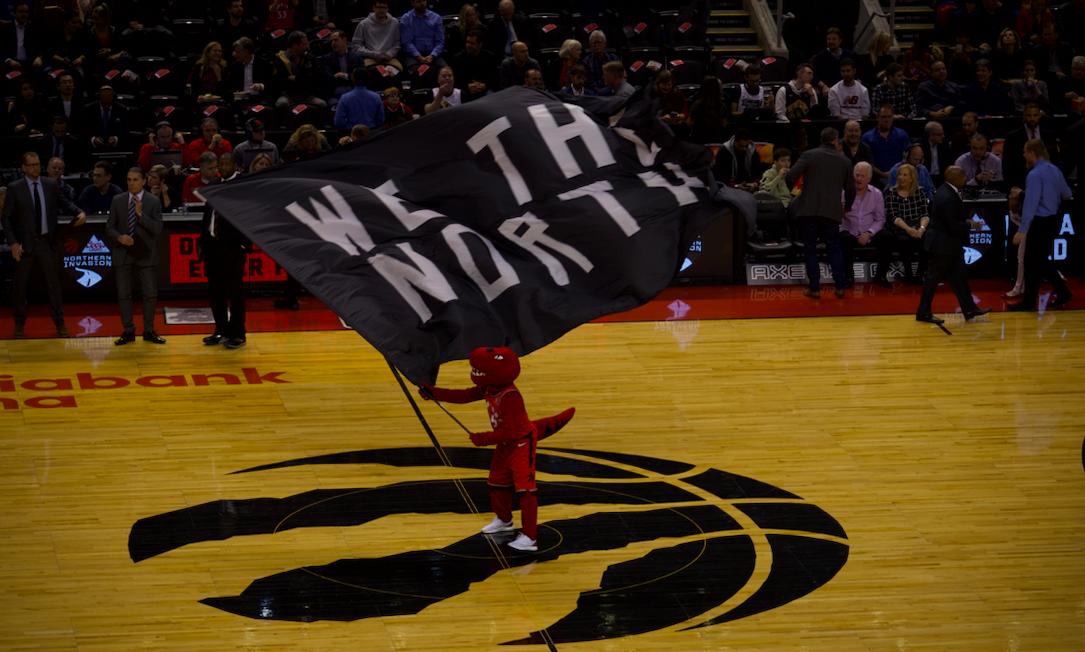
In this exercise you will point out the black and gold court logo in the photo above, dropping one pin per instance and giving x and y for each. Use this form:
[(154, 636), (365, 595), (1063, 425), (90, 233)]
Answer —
[(710, 530)]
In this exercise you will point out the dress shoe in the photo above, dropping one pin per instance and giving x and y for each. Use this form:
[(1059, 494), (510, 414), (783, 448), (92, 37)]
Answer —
[(19, 333), (848, 284), (839, 292), (234, 343), (287, 304), (1021, 307), (930, 319), (882, 281), (1061, 301), (212, 340), (813, 294), (978, 312), (62, 330), (151, 336), (125, 338), (1011, 297)]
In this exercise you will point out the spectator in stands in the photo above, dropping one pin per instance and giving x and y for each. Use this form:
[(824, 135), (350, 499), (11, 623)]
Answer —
[(423, 35), (475, 69), (261, 162), (852, 147), (826, 64), (773, 181), (514, 68), (913, 156), (97, 197), (162, 139), (578, 82), (1053, 57), (508, 27), (568, 58), (848, 99), (797, 99), (534, 79), (210, 141), (280, 16), (108, 45), (1013, 167), (144, 24), (894, 91), (886, 142), (209, 77), (907, 214), (360, 106), (308, 141), (209, 171), (377, 38), (1029, 89), (56, 171), (709, 114), (68, 103), (938, 97), (737, 163), (1008, 58), (863, 226), (817, 209), (69, 48), (446, 95), (298, 74), (20, 42), (25, 112), (754, 102), (1033, 16), (1071, 16), (257, 142), (314, 15), (456, 35), (107, 120), (1070, 90), (235, 25), (873, 64), (985, 97), (962, 140), (961, 63), (987, 21), (917, 62), (338, 66), (614, 82), (981, 168), (937, 155), (157, 186), (396, 112), (672, 102), (251, 74), (594, 60), (357, 133)]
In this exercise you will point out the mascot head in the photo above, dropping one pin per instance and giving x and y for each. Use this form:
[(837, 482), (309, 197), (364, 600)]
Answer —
[(494, 365)]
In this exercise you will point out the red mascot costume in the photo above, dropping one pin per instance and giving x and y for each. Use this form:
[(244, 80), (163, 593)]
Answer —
[(493, 370)]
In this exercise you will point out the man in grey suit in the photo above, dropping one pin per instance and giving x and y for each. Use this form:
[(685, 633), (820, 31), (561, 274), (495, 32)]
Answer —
[(135, 218), (818, 208), (30, 222)]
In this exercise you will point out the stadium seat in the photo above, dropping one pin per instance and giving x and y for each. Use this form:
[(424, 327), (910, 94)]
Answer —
[(550, 36), (687, 73), (686, 40), (728, 70), (305, 114), (222, 114), (641, 68), (772, 238), (641, 36)]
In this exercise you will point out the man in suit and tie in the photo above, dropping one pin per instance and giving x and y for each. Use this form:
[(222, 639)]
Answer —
[(337, 66), (827, 173), (107, 120), (30, 222), (507, 27), (1013, 166), (944, 242), (135, 218), (20, 42), (60, 144), (223, 250), (937, 154)]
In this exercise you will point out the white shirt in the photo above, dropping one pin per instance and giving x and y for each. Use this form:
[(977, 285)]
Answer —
[(935, 168), (248, 77), (849, 102), (450, 100), (20, 42)]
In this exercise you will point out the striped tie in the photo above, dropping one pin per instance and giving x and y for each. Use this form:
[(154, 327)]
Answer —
[(132, 215)]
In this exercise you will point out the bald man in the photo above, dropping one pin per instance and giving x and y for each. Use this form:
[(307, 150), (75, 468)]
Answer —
[(514, 68)]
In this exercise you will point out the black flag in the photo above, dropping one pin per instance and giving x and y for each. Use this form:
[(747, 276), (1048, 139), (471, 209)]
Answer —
[(506, 221)]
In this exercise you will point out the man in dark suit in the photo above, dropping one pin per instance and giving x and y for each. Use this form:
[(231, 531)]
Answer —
[(937, 154), (1013, 166), (20, 42), (223, 250), (1053, 56), (337, 66), (944, 242), (251, 74), (107, 120), (31, 225), (135, 218), (60, 144), (825, 173), (507, 27)]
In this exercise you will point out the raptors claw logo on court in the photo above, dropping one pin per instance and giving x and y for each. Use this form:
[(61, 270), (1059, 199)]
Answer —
[(725, 546)]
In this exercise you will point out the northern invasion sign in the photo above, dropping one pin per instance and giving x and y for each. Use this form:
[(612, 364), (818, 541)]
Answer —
[(506, 221)]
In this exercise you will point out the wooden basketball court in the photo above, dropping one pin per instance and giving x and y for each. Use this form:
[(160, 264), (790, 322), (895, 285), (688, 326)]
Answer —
[(834, 484)]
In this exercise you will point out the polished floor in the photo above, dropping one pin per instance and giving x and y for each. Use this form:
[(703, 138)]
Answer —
[(832, 484)]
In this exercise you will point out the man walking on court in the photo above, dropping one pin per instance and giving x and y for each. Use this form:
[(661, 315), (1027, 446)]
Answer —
[(944, 242), (1045, 189), (827, 172), (135, 218)]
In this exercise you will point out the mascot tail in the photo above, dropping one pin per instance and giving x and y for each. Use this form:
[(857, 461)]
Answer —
[(549, 425)]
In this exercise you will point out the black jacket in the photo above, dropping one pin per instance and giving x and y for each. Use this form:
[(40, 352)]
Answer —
[(1014, 169), (947, 232), (8, 41), (945, 158)]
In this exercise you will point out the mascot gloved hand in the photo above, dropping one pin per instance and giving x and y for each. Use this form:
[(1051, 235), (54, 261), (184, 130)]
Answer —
[(425, 390)]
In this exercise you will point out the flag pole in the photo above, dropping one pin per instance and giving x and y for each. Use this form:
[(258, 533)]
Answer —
[(418, 413)]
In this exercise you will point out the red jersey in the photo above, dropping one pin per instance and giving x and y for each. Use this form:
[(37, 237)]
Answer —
[(281, 16), (508, 416)]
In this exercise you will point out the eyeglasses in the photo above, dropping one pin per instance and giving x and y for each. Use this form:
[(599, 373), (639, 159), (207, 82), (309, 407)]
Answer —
[(33, 165)]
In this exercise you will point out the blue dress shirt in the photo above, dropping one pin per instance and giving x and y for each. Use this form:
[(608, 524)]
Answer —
[(1045, 189)]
